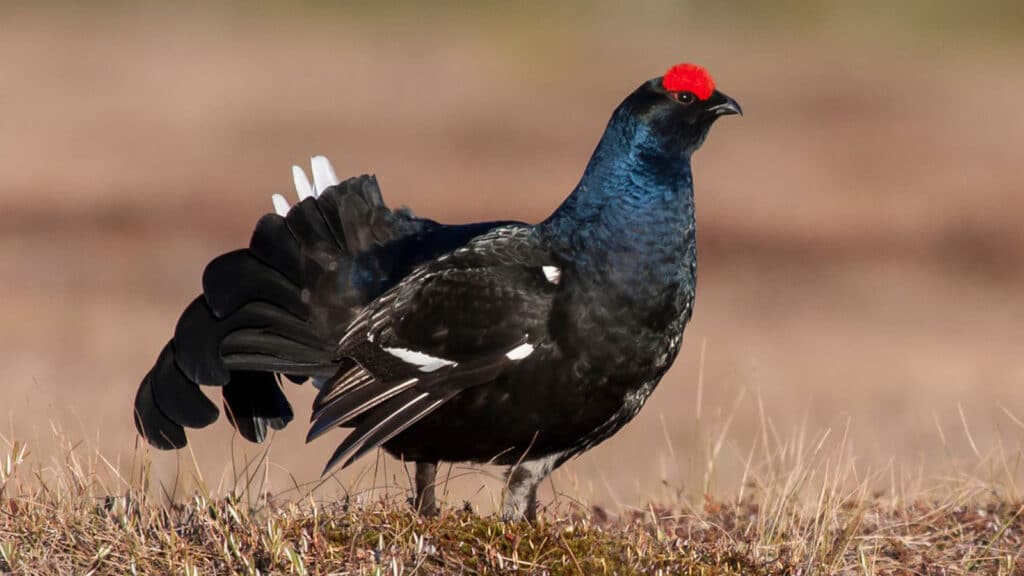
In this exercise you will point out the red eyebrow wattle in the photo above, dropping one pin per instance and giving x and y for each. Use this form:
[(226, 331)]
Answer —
[(689, 78)]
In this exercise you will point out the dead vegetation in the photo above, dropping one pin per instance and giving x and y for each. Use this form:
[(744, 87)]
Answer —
[(802, 511)]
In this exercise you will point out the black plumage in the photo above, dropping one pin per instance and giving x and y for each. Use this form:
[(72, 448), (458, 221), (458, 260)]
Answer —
[(178, 396), (506, 342), (253, 402)]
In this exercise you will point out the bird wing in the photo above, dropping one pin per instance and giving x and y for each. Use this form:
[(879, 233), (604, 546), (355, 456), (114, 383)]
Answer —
[(281, 305), (452, 324)]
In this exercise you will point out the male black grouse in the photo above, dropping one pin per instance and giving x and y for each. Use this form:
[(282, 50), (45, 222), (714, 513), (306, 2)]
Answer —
[(519, 344)]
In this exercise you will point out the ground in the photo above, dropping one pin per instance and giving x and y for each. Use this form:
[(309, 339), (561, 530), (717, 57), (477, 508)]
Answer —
[(80, 524)]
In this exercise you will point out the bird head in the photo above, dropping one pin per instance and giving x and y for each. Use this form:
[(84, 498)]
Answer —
[(644, 153), (678, 109)]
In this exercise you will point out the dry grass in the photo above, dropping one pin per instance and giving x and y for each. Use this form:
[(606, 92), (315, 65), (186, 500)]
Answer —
[(803, 509), (124, 535)]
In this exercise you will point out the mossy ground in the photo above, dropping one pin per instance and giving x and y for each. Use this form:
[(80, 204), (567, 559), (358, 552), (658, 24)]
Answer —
[(54, 532)]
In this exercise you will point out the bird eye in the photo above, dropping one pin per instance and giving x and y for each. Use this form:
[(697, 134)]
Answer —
[(684, 97)]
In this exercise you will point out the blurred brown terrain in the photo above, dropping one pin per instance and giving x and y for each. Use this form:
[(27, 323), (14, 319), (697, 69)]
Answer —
[(862, 256)]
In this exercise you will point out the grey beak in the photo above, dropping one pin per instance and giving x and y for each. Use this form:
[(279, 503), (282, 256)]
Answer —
[(723, 105)]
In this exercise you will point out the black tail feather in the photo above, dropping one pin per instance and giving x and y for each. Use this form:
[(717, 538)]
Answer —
[(197, 345), (153, 425), (203, 342), (253, 401), (177, 397), (278, 307), (234, 279), (272, 242), (254, 340)]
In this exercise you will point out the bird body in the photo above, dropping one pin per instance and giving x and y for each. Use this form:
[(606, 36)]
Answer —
[(497, 342)]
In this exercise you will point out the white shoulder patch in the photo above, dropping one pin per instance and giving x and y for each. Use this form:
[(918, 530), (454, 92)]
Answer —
[(425, 362), (519, 352), (552, 273)]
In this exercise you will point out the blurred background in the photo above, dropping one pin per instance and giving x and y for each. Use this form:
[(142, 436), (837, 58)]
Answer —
[(861, 246)]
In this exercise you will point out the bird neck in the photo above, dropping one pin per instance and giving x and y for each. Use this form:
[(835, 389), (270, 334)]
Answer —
[(632, 192)]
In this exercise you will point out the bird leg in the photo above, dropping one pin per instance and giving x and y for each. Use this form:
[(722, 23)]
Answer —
[(426, 474), (521, 487)]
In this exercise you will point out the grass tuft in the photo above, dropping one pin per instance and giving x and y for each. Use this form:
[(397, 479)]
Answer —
[(803, 508), (130, 534)]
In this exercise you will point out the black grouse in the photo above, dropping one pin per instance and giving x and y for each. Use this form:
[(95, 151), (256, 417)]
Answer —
[(519, 344)]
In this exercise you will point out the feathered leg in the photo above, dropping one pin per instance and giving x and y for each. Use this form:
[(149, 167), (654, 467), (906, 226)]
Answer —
[(521, 494)]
